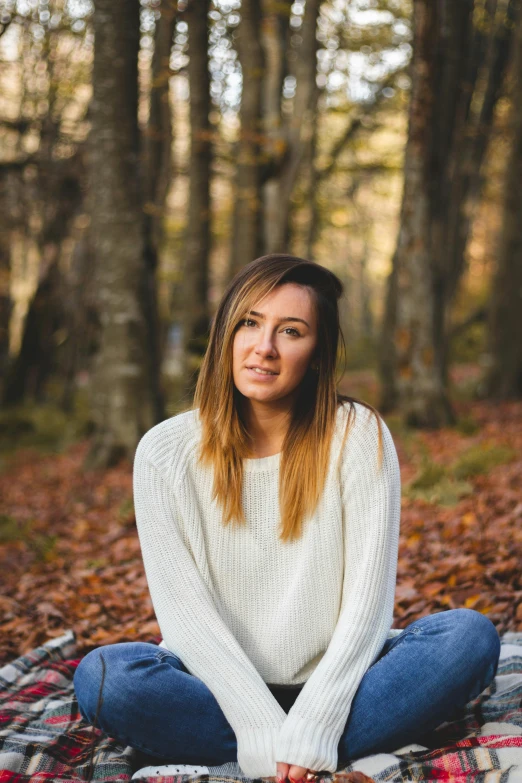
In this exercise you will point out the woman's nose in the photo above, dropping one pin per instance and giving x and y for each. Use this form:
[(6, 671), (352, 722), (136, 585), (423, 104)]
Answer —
[(266, 343)]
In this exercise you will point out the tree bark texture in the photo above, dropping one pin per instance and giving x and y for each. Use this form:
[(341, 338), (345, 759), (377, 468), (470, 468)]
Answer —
[(312, 233), (387, 353), (422, 395), (196, 316), (124, 385), (247, 229), (469, 55), (298, 135), (504, 379), (158, 141), (275, 39), (461, 68), (32, 368), (157, 176), (469, 69), (38, 215)]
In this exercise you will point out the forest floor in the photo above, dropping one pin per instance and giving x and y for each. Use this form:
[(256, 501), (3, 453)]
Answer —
[(70, 554)]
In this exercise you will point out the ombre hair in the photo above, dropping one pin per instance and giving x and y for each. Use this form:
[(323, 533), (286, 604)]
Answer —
[(305, 454)]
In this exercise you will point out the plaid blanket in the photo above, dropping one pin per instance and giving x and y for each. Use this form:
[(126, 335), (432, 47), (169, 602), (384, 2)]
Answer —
[(43, 737)]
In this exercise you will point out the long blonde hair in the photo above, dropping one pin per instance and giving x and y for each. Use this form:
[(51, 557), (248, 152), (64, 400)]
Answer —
[(305, 454)]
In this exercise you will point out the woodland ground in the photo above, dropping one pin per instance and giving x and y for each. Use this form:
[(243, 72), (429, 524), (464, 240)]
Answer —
[(70, 554)]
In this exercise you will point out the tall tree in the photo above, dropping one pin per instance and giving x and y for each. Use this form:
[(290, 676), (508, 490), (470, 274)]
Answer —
[(247, 235), (196, 315), (457, 72), (157, 174), (504, 379), (55, 197), (275, 39), (298, 135), (124, 381), (420, 384), (41, 196)]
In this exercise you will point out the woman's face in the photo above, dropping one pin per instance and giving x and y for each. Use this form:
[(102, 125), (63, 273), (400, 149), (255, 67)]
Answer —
[(285, 347)]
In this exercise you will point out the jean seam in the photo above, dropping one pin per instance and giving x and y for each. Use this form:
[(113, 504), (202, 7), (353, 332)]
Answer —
[(400, 637), (161, 654)]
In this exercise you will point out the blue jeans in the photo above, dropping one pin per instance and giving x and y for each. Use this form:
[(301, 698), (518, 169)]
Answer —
[(151, 702)]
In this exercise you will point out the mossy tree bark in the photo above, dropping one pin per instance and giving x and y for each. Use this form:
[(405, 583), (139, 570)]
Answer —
[(504, 379), (124, 384), (247, 228), (196, 315), (297, 138), (459, 61), (157, 167), (422, 395)]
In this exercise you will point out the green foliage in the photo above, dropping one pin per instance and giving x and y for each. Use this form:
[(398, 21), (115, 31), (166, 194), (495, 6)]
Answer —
[(43, 427), (96, 562), (445, 485), (470, 345), (429, 475), (467, 425), (126, 509), (481, 458), (361, 353), (12, 530), (41, 544), (445, 492)]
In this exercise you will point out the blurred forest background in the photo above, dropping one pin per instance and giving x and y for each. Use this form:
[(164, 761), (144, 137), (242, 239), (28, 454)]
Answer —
[(150, 149)]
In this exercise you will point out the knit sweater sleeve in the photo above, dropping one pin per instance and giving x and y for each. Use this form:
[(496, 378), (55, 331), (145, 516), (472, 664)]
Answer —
[(191, 626), (371, 501)]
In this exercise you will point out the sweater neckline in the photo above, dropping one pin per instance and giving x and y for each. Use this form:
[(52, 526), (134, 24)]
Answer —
[(262, 463), (256, 464)]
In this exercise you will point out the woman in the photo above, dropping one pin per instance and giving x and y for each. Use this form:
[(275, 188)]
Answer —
[(268, 517)]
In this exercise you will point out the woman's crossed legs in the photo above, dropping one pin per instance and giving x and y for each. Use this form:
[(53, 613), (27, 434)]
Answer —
[(151, 702)]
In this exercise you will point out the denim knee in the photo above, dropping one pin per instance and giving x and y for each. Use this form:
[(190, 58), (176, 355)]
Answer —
[(483, 641), (87, 680), (480, 628)]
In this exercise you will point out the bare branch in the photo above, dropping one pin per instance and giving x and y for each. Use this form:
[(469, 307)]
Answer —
[(356, 125)]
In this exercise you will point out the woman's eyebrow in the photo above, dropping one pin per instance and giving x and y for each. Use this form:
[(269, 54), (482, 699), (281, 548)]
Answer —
[(285, 319)]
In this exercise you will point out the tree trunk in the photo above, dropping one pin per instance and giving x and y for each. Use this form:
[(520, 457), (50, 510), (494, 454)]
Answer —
[(299, 134), (124, 383), (31, 369), (467, 64), (196, 316), (40, 215), (247, 234), (423, 398), (275, 34), (81, 317), (387, 355), (471, 60), (504, 379), (157, 177), (312, 233)]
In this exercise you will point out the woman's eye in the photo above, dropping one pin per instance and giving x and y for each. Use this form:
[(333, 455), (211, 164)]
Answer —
[(247, 321)]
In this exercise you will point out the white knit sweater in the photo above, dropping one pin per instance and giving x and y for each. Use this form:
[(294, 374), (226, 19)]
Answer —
[(242, 609)]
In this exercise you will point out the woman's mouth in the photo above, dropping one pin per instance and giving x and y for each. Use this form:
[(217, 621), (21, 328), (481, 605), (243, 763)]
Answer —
[(261, 375)]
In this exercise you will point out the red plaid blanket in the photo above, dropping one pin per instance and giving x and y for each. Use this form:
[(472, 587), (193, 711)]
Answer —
[(43, 737)]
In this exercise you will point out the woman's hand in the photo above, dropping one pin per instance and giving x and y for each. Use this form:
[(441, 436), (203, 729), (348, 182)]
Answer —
[(290, 771)]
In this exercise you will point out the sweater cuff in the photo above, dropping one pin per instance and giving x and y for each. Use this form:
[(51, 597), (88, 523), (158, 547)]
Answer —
[(256, 751), (308, 744)]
